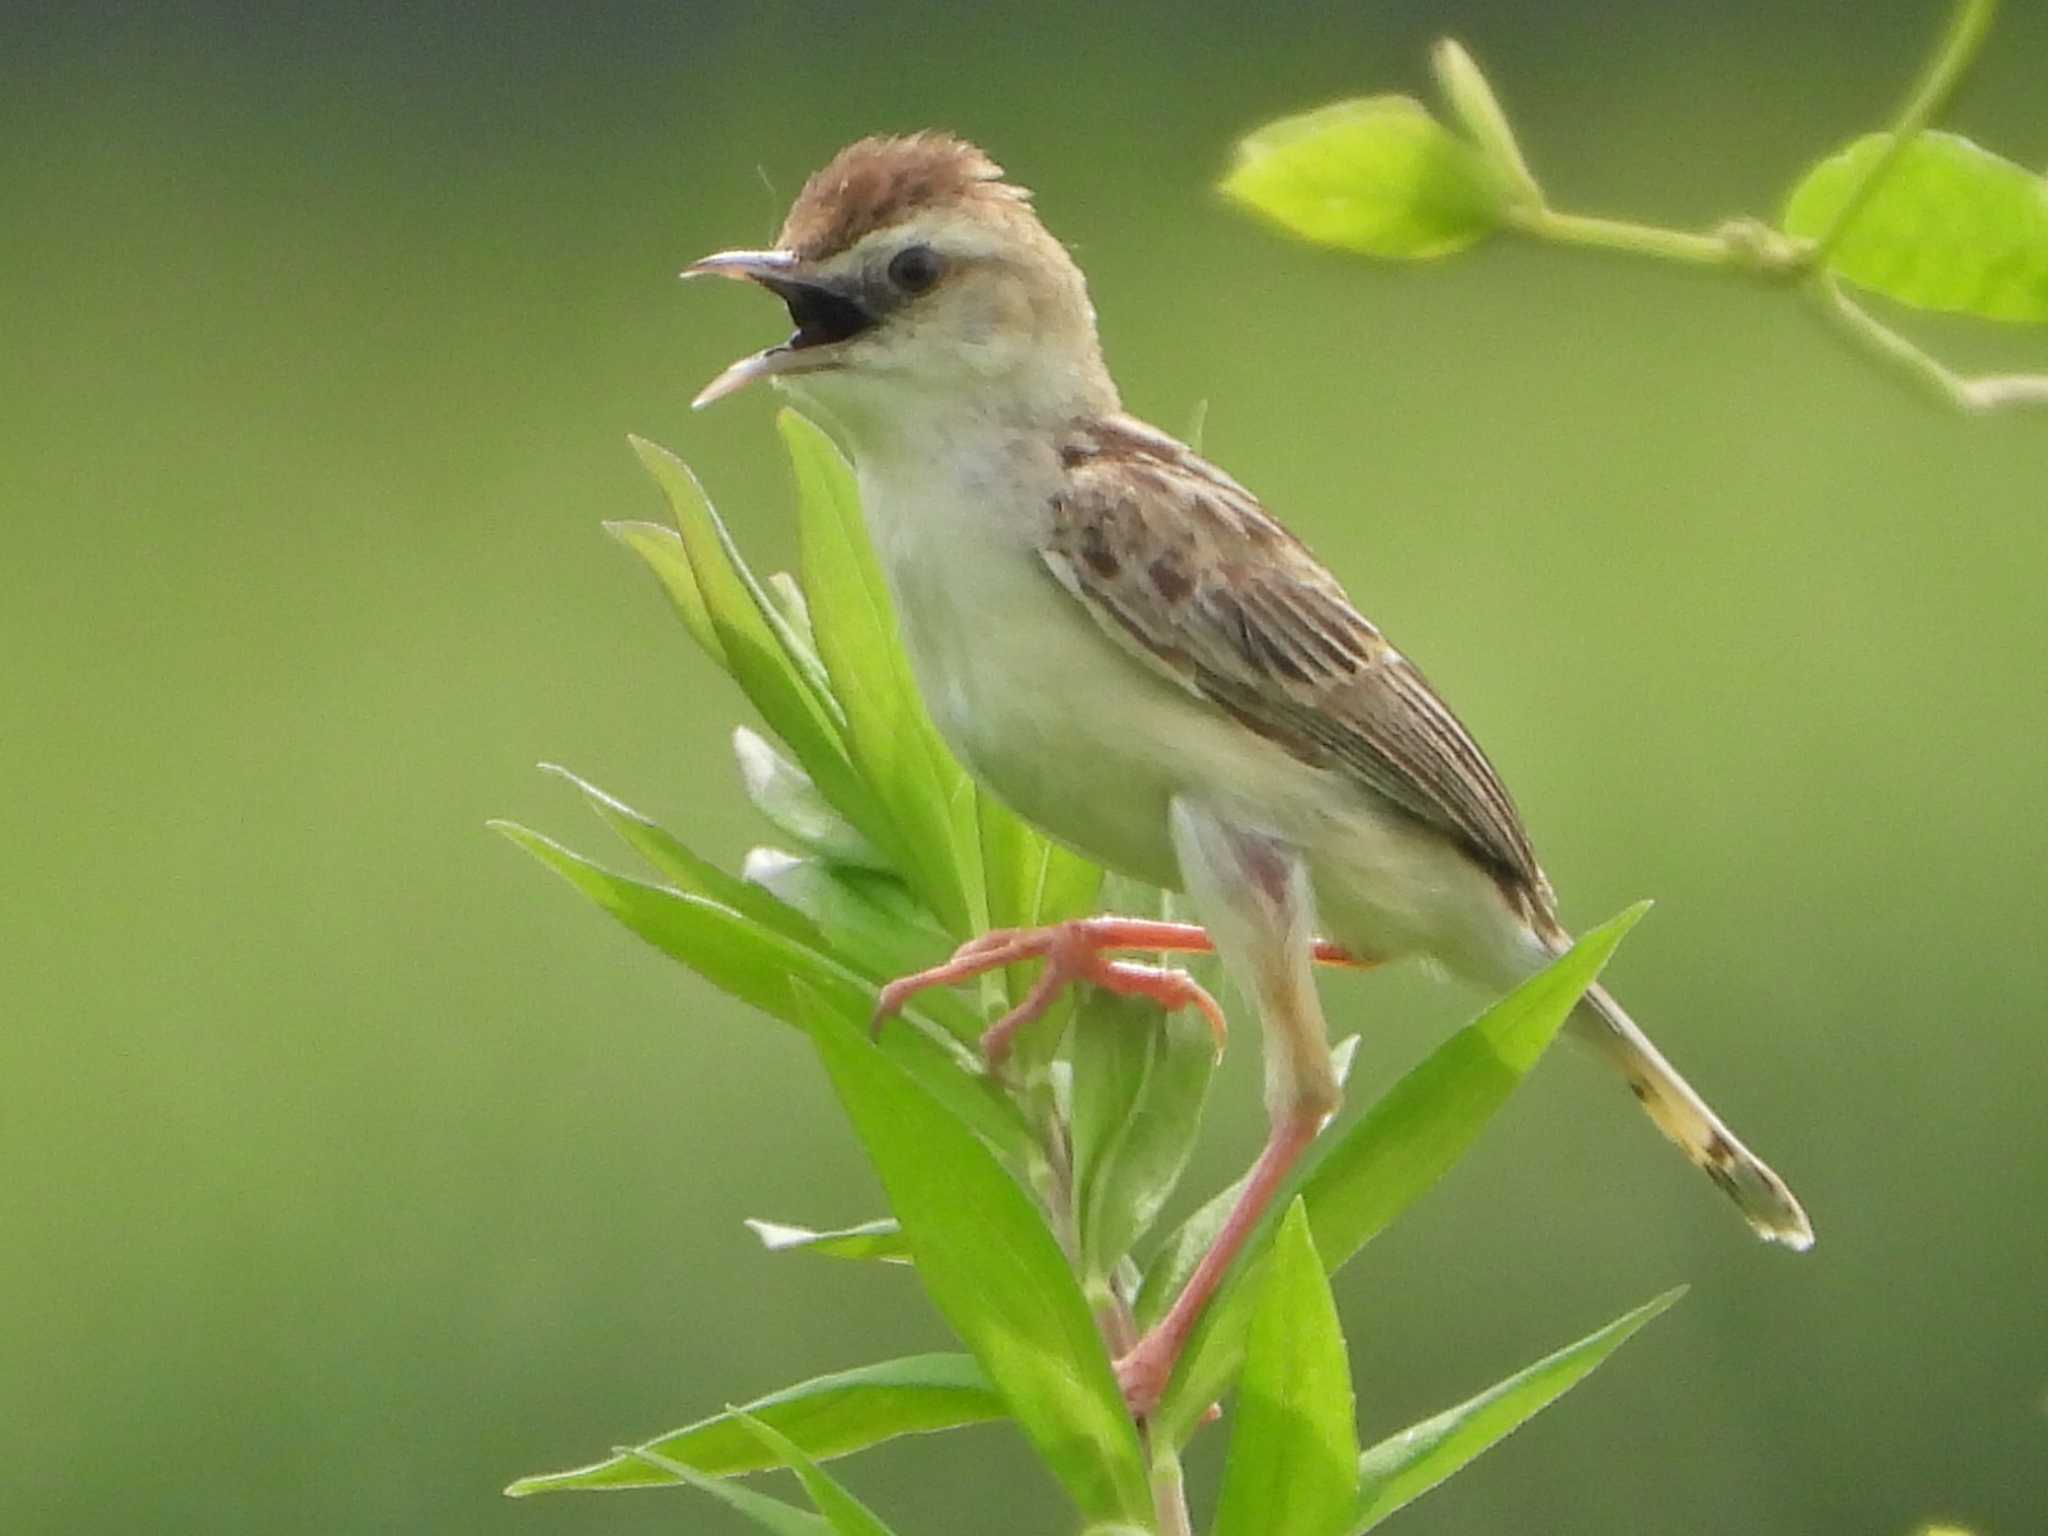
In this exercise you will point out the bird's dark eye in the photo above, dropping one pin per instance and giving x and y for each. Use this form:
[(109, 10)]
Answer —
[(915, 268)]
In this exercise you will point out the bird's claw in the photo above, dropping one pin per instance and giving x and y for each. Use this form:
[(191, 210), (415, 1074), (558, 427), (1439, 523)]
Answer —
[(1072, 951)]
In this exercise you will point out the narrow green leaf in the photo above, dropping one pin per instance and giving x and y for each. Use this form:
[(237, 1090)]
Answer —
[(1378, 175), (735, 954), (845, 1513), (730, 592), (789, 601), (759, 966), (828, 1416), (879, 1242), (741, 616), (1477, 109), (1408, 1465), (1357, 1183), (662, 549), (1293, 1467), (1134, 1093), (874, 923), (728, 597), (1140, 1081), (788, 797), (768, 1513), (889, 734), (869, 916), (993, 1269), (791, 622), (1950, 227), (687, 871)]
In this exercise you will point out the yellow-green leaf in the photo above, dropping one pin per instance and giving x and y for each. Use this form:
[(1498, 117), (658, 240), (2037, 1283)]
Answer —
[(1950, 227), (877, 1242), (662, 549), (1478, 111), (1293, 1467), (888, 732), (763, 967), (689, 871), (830, 1497), (994, 1270), (870, 920), (1379, 176), (787, 796), (828, 1416), (1406, 1466), (1140, 1080), (772, 1515), (797, 704)]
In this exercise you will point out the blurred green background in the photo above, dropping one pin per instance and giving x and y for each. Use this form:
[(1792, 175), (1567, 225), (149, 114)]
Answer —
[(353, 1166)]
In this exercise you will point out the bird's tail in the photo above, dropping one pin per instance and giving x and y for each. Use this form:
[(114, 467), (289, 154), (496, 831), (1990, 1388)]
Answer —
[(1683, 1116)]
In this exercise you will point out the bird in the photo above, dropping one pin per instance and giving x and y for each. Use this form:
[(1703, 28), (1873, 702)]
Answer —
[(1124, 645)]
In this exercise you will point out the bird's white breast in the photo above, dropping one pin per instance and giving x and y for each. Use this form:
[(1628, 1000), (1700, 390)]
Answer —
[(1091, 744)]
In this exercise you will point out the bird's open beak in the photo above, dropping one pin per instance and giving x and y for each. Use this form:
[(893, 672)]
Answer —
[(825, 315)]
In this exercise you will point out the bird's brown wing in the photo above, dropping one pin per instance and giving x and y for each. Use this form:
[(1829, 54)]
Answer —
[(1174, 557)]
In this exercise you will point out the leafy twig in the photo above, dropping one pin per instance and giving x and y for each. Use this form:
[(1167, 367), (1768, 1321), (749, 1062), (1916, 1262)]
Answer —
[(1380, 176)]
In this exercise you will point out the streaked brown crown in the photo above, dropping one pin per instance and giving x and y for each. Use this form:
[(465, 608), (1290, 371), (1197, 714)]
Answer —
[(877, 182)]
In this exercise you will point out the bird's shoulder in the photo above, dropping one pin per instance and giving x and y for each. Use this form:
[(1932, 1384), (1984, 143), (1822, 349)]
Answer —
[(1130, 492), (1186, 568)]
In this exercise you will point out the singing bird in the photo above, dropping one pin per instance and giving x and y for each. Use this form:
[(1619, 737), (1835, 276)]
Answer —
[(1124, 645)]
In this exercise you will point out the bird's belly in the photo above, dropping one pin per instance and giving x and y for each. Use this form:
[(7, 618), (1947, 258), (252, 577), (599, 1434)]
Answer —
[(1091, 746), (1044, 710)]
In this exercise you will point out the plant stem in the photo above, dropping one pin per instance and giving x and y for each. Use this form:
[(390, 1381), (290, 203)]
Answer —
[(1112, 1309), (1959, 45), (1170, 1498), (1984, 393), (1622, 235)]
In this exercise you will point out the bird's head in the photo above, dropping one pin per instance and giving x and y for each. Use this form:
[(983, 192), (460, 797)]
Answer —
[(918, 278)]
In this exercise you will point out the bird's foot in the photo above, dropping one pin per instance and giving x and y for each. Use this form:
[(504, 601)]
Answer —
[(1072, 951)]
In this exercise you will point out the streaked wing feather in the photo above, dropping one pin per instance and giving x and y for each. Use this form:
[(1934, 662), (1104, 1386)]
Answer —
[(1172, 554)]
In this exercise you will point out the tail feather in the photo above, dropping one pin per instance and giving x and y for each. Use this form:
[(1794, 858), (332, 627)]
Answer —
[(1683, 1116)]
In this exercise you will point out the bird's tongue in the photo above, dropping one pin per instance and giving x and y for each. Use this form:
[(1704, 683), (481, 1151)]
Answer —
[(822, 316)]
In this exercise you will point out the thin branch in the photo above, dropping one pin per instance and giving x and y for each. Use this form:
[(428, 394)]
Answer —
[(1169, 1498), (1959, 45), (1986, 392), (1621, 235)]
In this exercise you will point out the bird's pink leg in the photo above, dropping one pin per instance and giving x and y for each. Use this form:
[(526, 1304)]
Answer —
[(1077, 951), (1255, 892), (1144, 1371)]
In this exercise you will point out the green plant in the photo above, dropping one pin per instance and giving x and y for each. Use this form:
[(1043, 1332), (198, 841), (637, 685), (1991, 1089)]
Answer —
[(1925, 219), (1023, 1203)]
